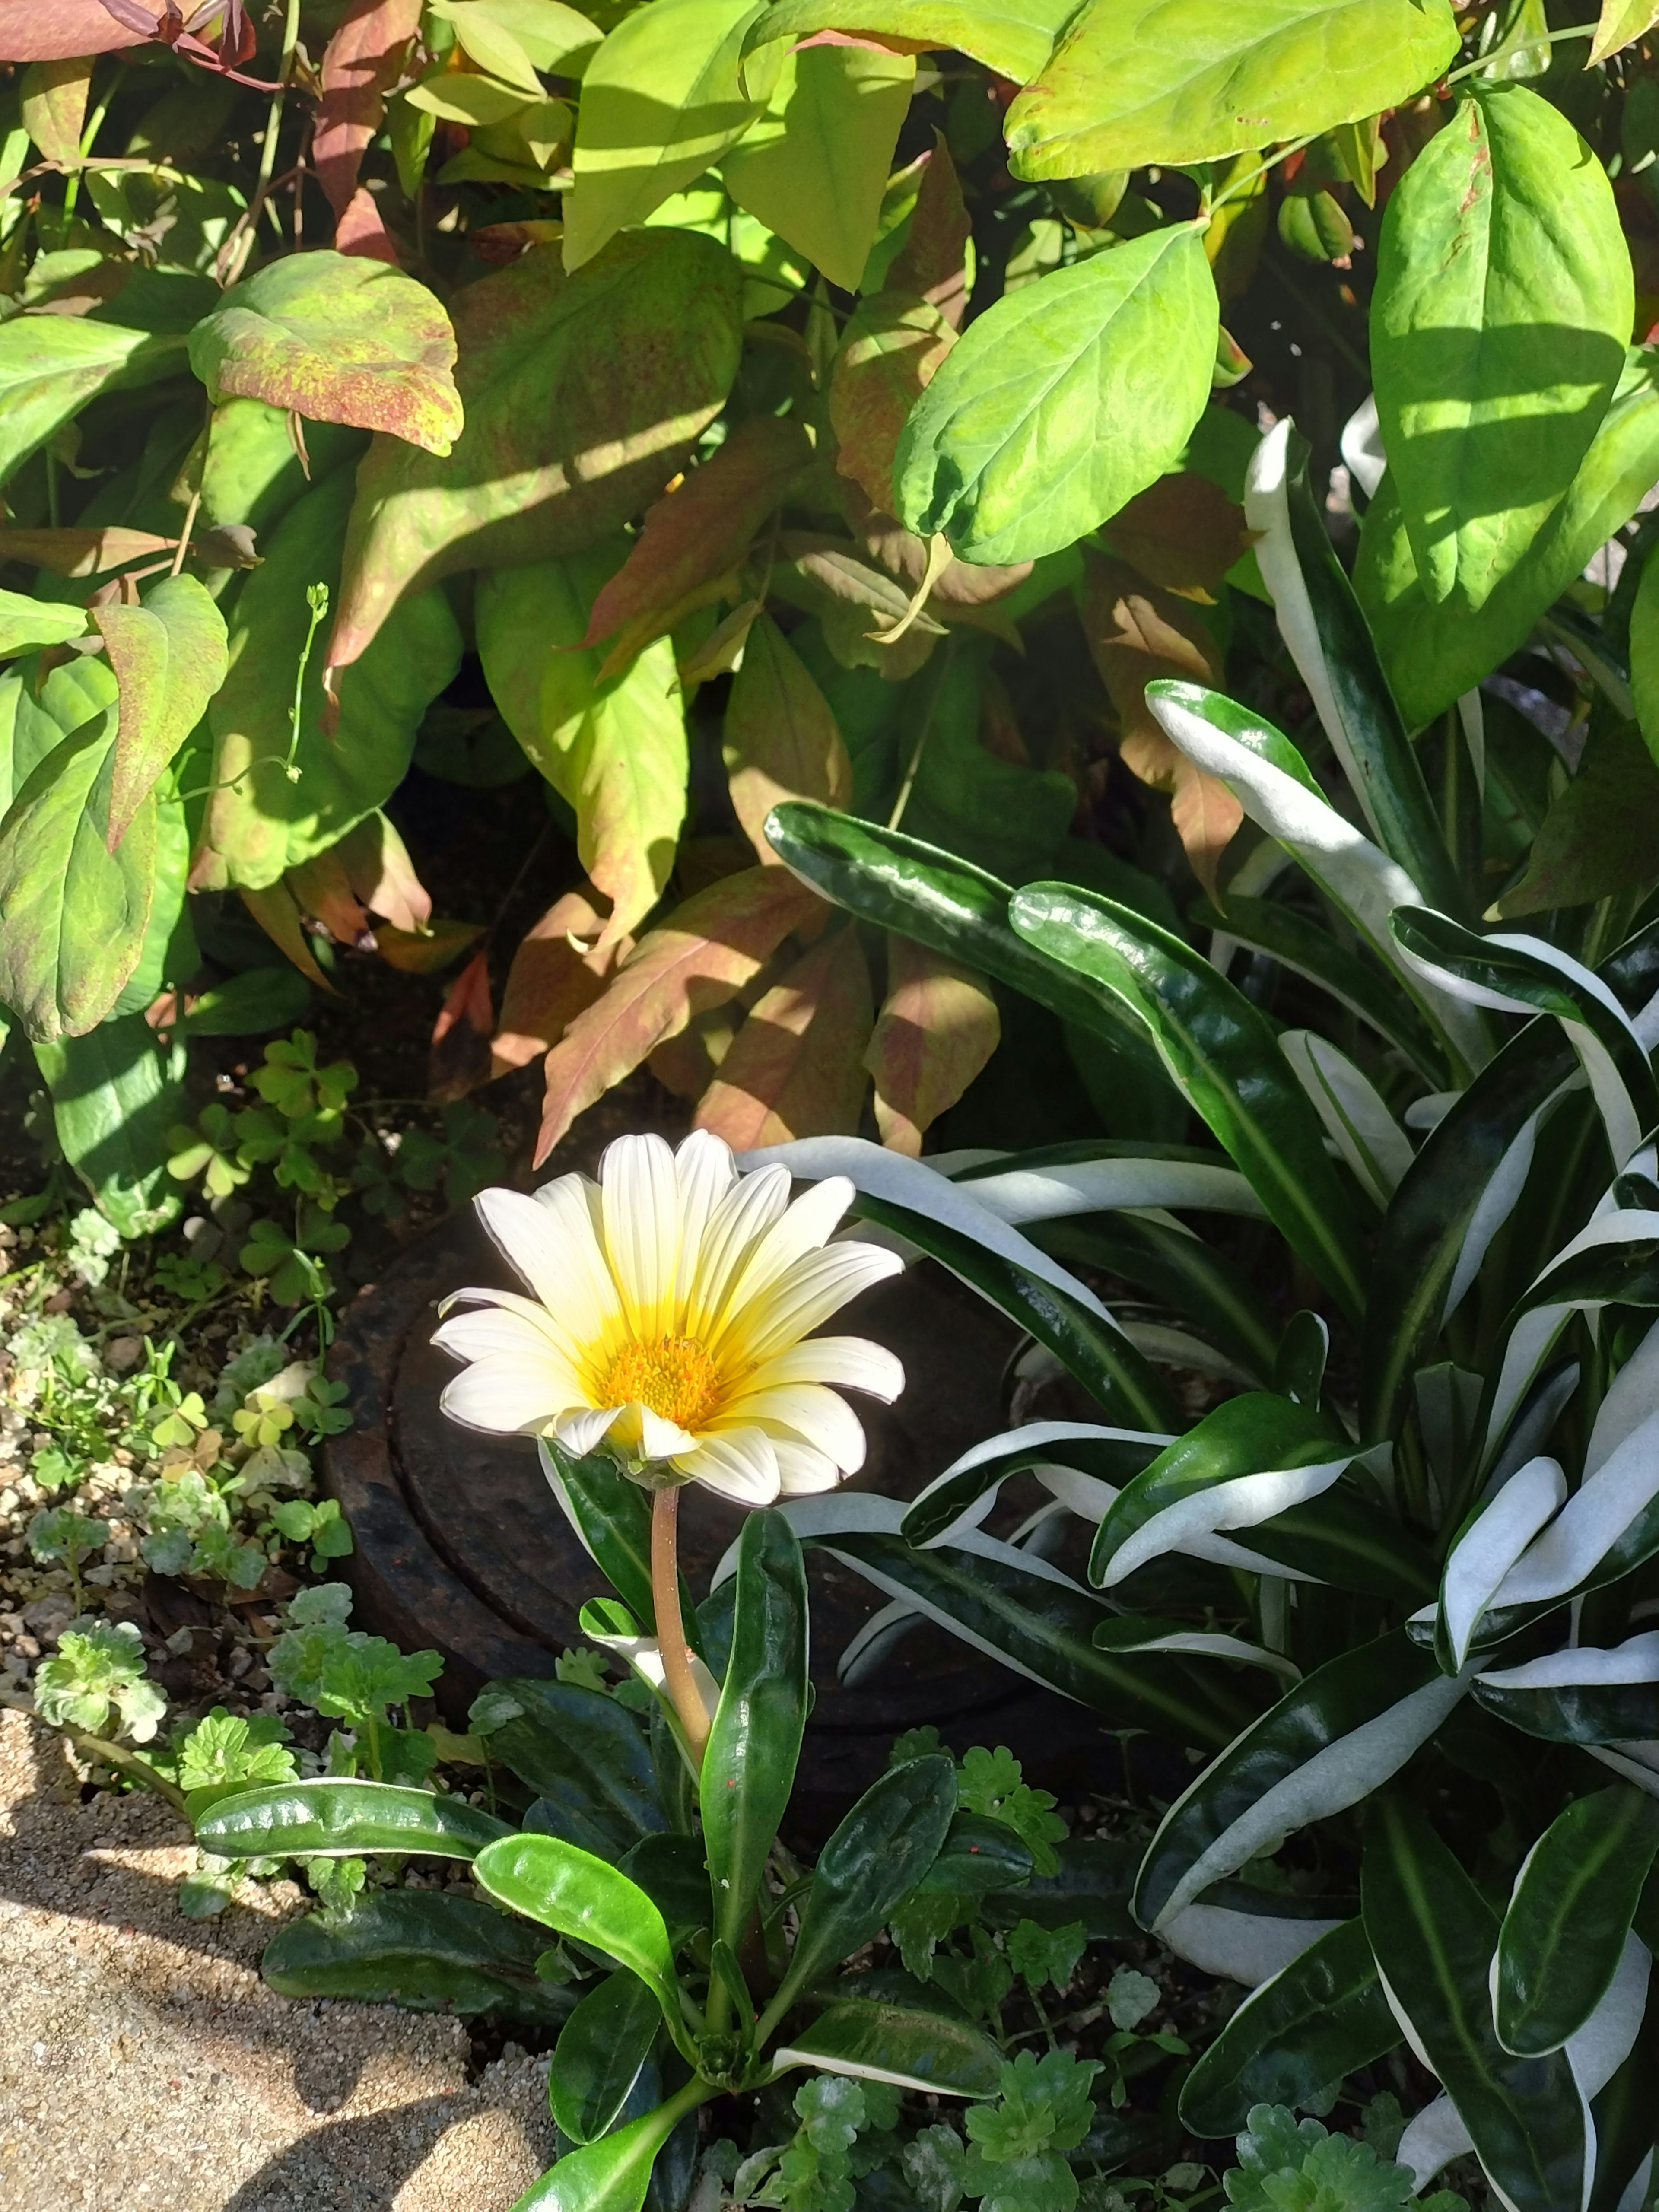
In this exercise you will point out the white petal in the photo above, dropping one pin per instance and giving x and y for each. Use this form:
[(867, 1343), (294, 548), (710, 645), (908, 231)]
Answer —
[(807, 1226), (585, 1430), (851, 1363), (803, 1470), (550, 1240), (508, 1397), (741, 1218), (808, 1411), (742, 1464), (814, 1288), (663, 1439), (706, 1172), (640, 1201)]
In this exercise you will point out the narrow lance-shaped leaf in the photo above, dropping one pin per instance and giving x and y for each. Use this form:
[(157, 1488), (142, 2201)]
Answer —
[(600, 2050), (335, 1817), (1221, 1055), (909, 2045), (1182, 1271), (1355, 1116), (613, 2174), (431, 1950)]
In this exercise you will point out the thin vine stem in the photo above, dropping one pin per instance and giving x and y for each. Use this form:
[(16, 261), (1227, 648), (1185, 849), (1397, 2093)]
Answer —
[(1500, 54)]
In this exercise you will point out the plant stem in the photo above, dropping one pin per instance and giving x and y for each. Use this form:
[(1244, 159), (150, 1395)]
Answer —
[(671, 1628)]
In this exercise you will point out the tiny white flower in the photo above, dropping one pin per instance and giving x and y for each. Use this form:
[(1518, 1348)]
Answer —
[(669, 1324)]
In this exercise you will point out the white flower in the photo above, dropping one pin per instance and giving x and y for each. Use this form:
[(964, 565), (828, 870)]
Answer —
[(669, 1323)]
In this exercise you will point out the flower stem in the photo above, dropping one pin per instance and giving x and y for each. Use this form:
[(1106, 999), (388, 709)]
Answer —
[(671, 1628)]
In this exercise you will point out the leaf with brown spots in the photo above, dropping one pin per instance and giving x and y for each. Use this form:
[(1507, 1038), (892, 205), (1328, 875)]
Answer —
[(796, 1067), (890, 352), (583, 395), (1136, 633), (558, 971), (338, 338), (1182, 532), (937, 1027), (781, 739), (459, 1058), (361, 63), (700, 956), (169, 658), (81, 552), (54, 106), (696, 536), (933, 262)]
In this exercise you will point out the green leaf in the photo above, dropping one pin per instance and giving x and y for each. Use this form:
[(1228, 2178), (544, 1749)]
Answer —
[(51, 365), (338, 337), (1002, 451), (114, 1098), (577, 413), (1190, 1278), (749, 1765), (337, 1817), (251, 472), (1433, 652), (26, 622), (943, 902), (1272, 1780), (917, 2046), (945, 1503), (1498, 325), (169, 658), (1434, 1935), (598, 2058), (1014, 38), (1287, 2166), (662, 100), (587, 1758), (73, 915), (1222, 1055), (614, 2174), (427, 1950), (1323, 2017), (614, 749), (1133, 82), (1568, 1917), (998, 813), (814, 166), (576, 1894), (260, 821)]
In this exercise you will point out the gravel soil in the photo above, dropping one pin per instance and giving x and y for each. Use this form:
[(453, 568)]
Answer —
[(145, 2066)]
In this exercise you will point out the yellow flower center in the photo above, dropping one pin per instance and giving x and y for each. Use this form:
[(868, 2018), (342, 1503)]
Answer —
[(675, 1376)]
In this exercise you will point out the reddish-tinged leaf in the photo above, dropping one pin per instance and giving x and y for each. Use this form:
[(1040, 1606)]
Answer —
[(278, 913), (959, 587), (323, 891), (795, 1068), (57, 30), (360, 230), (73, 552), (460, 1059), (888, 353), (936, 1031), (583, 395), (382, 876), (423, 952), (781, 739), (1136, 632), (552, 979), (169, 658), (700, 956), (697, 534), (686, 1064), (361, 63), (337, 339), (933, 262), (1182, 532), (54, 106)]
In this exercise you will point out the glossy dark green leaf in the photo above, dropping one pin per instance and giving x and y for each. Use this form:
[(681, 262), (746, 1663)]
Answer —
[(1577, 1712), (1499, 325), (978, 1854), (1128, 1389), (612, 1516), (114, 1097), (1222, 1055), (1433, 1935), (1257, 1433), (1045, 1629), (673, 1873), (1195, 1282), (580, 1896), (918, 2049), (882, 1849), (1300, 944), (598, 2055), (430, 1950), (749, 1767), (1299, 1360), (586, 1757), (1323, 2017), (1257, 1790), (1348, 1538), (942, 1503), (338, 1819), (1623, 2114), (944, 903), (613, 2174), (1092, 1884), (1568, 1915)]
